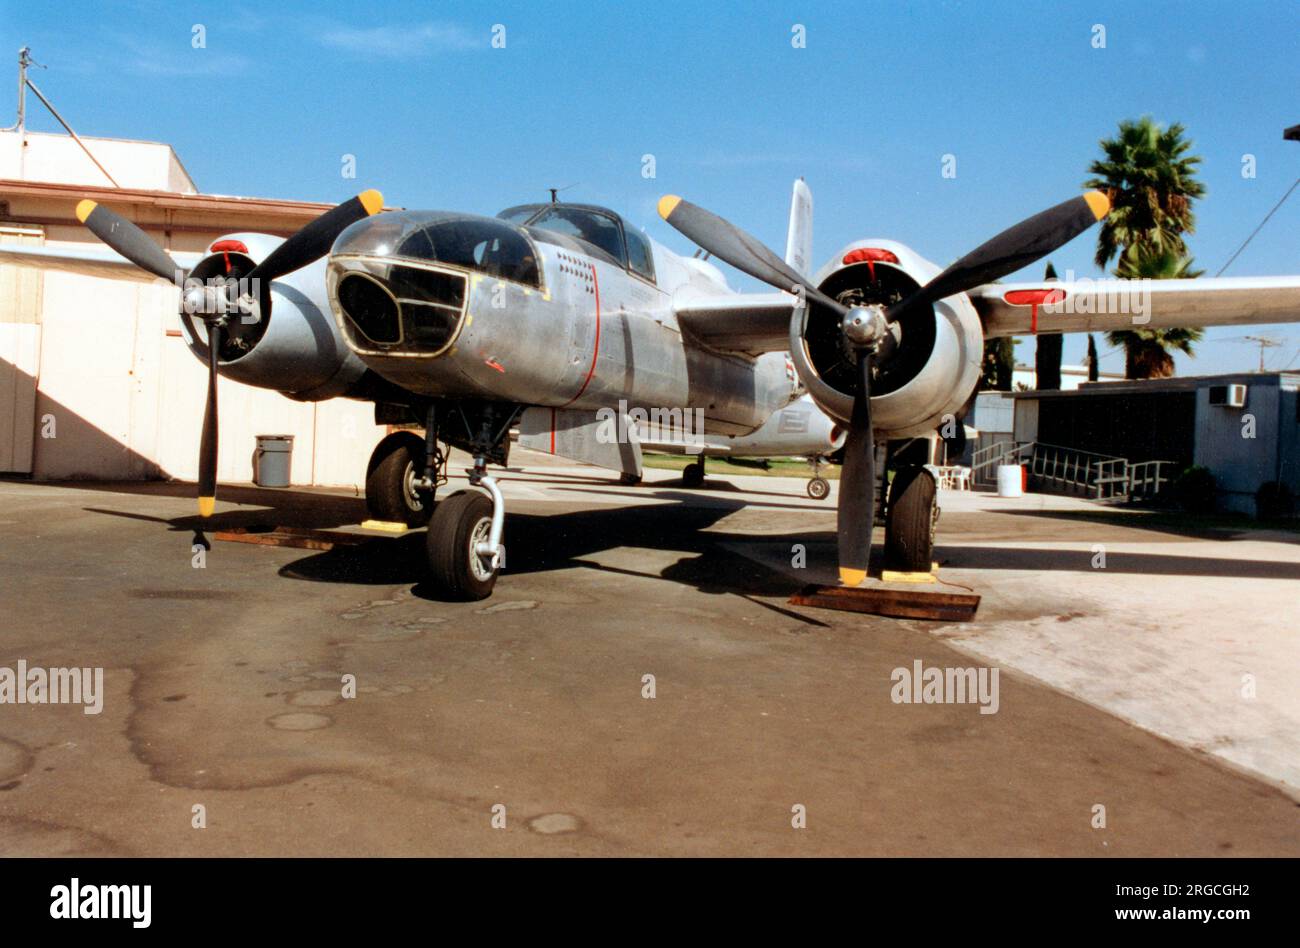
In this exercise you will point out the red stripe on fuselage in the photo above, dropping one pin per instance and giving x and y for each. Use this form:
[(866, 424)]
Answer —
[(595, 349)]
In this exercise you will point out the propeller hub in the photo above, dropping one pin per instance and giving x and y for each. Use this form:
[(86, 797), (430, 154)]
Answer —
[(865, 326)]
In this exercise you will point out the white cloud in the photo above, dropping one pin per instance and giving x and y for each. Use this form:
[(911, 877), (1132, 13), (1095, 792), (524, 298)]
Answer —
[(402, 42)]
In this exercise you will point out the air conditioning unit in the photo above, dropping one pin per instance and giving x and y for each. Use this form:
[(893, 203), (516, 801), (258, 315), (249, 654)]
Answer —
[(1229, 396)]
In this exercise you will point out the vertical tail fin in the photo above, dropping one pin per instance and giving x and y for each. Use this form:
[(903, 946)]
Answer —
[(798, 242)]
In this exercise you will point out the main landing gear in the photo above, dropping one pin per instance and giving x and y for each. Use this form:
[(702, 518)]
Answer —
[(397, 490), (819, 488), (910, 518), (693, 473)]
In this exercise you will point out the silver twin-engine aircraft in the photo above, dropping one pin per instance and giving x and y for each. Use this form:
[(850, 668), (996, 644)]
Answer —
[(564, 321)]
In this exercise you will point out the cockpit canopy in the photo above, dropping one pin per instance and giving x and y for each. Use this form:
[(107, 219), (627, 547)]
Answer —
[(484, 244), (599, 231)]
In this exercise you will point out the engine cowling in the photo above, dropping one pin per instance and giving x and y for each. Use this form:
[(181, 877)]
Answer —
[(927, 370), (293, 345)]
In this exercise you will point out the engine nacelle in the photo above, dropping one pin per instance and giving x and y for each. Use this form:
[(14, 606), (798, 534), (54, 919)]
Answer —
[(930, 372), (295, 347)]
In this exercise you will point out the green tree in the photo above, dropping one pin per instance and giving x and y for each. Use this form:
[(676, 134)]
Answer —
[(999, 364), (1047, 351), (1151, 181), (1150, 176), (1147, 352)]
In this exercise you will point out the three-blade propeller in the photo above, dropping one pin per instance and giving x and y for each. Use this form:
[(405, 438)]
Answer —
[(1017, 246), (307, 245)]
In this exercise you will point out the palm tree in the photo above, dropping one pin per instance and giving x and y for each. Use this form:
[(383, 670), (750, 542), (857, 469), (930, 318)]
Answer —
[(1147, 351), (1151, 180)]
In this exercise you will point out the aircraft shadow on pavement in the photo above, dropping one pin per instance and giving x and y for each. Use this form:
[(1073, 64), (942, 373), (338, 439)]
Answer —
[(545, 542)]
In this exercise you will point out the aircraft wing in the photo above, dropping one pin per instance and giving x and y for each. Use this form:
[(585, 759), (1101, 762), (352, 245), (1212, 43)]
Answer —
[(751, 323), (91, 261), (1007, 309)]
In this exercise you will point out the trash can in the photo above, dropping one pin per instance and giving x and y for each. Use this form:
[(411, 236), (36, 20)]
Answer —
[(1010, 480), (272, 460)]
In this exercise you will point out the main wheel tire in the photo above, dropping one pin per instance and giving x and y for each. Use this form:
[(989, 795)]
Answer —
[(459, 524), (629, 480), (693, 474), (819, 488), (909, 521), (397, 462)]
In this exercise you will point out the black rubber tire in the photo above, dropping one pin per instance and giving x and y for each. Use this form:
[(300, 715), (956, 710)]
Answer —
[(693, 474), (909, 521), (451, 530), (629, 480), (386, 496), (819, 488)]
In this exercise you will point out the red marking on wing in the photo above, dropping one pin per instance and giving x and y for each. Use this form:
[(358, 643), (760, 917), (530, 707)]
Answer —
[(1034, 298)]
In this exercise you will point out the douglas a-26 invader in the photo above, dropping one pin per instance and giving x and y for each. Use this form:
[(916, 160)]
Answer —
[(547, 314)]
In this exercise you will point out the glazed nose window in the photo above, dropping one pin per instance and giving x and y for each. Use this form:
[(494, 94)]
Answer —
[(483, 244)]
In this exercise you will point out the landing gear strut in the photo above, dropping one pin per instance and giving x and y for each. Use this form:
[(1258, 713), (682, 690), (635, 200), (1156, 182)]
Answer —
[(464, 540), (818, 486), (464, 547)]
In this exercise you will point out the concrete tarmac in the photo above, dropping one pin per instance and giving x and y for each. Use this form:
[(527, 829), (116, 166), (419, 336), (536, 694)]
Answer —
[(1156, 693)]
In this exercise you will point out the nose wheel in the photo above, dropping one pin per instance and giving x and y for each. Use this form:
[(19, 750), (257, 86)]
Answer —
[(464, 541)]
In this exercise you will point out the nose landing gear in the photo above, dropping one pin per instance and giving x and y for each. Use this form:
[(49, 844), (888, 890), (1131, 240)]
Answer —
[(464, 541)]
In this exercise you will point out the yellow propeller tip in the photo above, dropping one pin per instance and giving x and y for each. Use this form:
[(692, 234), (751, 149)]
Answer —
[(1098, 203), (852, 577), (372, 201), (85, 209), (205, 506), (667, 204)]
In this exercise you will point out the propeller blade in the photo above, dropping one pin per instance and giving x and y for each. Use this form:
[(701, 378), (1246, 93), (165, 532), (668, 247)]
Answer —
[(208, 441), (130, 241), (857, 502), (728, 242), (1030, 240), (314, 239)]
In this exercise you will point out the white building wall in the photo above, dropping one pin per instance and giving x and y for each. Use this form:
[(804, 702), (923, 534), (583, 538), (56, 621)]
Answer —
[(102, 358), (57, 159)]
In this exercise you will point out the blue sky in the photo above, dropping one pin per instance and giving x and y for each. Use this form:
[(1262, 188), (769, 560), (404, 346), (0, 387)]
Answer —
[(731, 112)]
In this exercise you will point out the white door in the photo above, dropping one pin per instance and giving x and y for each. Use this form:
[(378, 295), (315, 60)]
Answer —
[(20, 348)]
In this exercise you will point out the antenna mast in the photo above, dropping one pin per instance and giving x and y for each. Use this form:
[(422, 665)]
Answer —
[(1264, 343)]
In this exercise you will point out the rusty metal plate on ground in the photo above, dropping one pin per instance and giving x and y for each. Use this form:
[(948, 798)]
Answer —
[(297, 538)]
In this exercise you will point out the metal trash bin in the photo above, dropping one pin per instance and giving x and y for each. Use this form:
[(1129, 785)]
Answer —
[(272, 460)]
